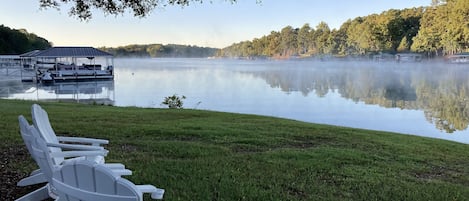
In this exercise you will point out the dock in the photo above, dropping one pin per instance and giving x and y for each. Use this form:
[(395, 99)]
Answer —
[(59, 64)]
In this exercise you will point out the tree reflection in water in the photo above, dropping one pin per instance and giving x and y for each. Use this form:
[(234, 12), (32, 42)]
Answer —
[(440, 90)]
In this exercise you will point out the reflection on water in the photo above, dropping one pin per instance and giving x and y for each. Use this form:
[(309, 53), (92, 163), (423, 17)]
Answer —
[(428, 99), (441, 91), (99, 92)]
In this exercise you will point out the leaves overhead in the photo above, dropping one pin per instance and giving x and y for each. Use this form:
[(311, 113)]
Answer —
[(140, 8)]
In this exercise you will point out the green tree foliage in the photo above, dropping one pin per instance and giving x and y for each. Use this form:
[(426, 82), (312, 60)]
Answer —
[(14, 41), (358, 36), (304, 39), (444, 29), (321, 38), (404, 45), (375, 33), (159, 50), (428, 38), (288, 41)]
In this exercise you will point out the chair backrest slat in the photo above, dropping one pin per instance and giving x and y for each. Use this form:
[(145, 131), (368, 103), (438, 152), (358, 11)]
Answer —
[(42, 156), (42, 124), (24, 131), (85, 182)]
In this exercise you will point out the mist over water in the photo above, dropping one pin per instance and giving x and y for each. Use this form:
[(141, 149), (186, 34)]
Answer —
[(427, 98)]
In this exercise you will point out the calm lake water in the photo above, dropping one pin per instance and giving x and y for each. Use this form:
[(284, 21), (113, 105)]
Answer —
[(427, 99)]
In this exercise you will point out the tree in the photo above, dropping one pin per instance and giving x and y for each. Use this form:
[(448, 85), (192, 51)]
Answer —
[(155, 50), (404, 45), (273, 48), (444, 29), (428, 39), (140, 8), (321, 38), (288, 42), (341, 37), (358, 37), (304, 38), (14, 41)]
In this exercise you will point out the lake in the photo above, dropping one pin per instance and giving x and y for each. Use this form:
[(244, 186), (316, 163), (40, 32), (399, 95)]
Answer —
[(426, 99)]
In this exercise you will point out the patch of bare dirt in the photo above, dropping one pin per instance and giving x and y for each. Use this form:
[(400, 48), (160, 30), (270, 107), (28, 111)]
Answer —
[(10, 176)]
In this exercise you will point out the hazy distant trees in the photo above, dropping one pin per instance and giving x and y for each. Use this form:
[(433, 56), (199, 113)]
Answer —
[(14, 41), (140, 8), (159, 50)]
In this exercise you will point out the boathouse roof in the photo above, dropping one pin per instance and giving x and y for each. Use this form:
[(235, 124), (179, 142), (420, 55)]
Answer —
[(82, 52), (30, 54)]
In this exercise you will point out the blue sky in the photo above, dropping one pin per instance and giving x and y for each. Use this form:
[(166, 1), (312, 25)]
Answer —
[(216, 24)]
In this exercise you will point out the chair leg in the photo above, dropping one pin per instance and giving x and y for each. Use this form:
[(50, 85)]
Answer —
[(39, 194)]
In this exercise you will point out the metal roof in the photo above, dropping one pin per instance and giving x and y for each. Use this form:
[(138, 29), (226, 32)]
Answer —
[(30, 54), (82, 52)]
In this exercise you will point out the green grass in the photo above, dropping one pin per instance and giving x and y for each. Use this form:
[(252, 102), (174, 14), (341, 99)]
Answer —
[(204, 155)]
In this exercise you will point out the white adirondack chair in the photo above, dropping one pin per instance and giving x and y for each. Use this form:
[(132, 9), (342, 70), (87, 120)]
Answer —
[(36, 176), (86, 181), (44, 174), (41, 122), (44, 159)]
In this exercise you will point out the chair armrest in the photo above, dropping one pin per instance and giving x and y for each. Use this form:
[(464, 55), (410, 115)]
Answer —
[(68, 154), (156, 193), (36, 178), (38, 171), (75, 147), (122, 172), (93, 141), (115, 165)]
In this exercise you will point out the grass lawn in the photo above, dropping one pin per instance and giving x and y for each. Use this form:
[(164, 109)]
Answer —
[(204, 155)]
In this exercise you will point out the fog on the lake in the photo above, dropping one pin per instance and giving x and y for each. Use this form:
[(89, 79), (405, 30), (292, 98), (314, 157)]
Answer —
[(425, 98)]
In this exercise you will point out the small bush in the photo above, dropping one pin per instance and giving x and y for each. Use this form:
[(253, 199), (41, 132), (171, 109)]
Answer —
[(174, 101)]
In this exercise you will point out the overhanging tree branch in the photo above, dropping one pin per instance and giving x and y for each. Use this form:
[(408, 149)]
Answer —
[(140, 8)]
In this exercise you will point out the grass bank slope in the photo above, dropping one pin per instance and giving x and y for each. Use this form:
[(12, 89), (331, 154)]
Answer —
[(203, 155)]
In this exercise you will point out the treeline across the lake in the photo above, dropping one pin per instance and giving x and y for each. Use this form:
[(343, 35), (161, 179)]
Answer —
[(437, 30), (159, 50), (18, 41)]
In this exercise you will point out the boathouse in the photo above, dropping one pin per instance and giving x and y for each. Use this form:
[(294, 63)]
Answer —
[(70, 64), (408, 57), (461, 58)]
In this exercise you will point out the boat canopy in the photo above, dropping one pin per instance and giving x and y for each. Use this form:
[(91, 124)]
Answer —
[(77, 52)]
